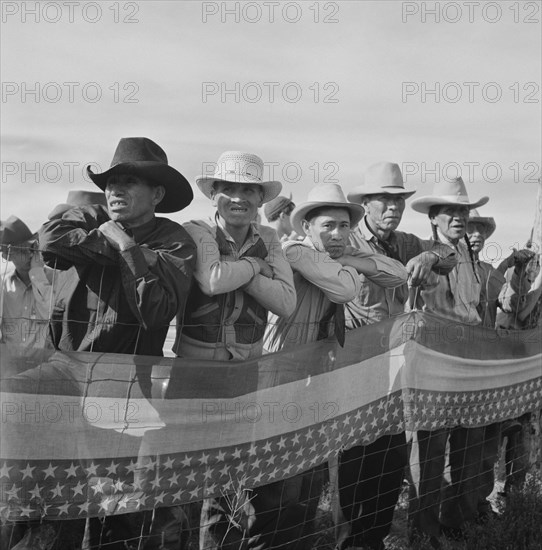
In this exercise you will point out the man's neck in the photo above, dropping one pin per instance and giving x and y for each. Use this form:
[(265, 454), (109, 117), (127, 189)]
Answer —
[(238, 233), (24, 276), (382, 235)]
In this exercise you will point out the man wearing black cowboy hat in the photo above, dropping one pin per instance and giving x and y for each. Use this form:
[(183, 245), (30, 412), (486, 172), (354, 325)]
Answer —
[(129, 273)]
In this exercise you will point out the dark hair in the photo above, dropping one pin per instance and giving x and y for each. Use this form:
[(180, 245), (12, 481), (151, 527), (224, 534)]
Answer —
[(315, 212), (434, 210)]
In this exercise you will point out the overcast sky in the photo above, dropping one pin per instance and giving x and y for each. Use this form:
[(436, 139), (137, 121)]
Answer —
[(319, 90)]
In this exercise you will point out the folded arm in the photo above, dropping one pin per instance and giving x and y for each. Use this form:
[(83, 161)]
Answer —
[(339, 283)]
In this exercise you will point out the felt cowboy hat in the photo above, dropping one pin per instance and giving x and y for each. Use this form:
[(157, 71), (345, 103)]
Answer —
[(453, 193), (142, 157), (277, 205), (14, 231), (381, 178), (239, 167), (489, 223), (77, 198), (321, 196)]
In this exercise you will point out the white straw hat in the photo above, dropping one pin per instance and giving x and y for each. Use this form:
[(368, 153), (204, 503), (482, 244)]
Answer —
[(239, 167)]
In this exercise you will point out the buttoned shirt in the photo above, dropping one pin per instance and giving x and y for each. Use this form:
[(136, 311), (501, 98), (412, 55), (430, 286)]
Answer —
[(217, 273), (376, 302), (25, 308), (321, 282), (457, 294)]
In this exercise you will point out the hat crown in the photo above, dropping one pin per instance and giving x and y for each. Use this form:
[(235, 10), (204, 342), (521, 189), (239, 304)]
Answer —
[(138, 149), (451, 188), (83, 198), (14, 231), (276, 205), (238, 166), (384, 174), (327, 193), (474, 213)]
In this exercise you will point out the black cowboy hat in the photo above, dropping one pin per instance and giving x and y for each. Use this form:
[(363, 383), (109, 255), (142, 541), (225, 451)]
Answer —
[(142, 157)]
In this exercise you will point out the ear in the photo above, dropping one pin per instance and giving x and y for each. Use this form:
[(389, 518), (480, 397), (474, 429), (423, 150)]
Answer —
[(159, 193), (306, 226), (433, 220)]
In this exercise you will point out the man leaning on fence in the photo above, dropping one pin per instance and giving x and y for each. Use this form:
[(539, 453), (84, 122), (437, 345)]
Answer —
[(128, 274), (240, 276), (326, 274), (370, 477), (456, 296)]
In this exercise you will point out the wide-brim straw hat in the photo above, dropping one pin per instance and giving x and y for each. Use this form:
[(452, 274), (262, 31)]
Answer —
[(488, 223), (14, 231), (239, 167), (328, 195), (446, 192), (381, 178), (75, 198), (142, 157)]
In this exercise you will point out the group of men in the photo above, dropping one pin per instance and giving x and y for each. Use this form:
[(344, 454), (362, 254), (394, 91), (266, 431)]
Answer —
[(107, 275)]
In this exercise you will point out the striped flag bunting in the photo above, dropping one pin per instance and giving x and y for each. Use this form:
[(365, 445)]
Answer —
[(88, 434)]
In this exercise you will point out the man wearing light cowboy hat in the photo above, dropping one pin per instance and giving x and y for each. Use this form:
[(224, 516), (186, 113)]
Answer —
[(370, 477), (456, 296), (127, 274), (326, 275), (240, 276)]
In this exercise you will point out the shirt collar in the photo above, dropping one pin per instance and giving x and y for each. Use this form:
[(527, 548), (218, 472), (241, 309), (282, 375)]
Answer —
[(367, 231), (253, 232), (141, 231)]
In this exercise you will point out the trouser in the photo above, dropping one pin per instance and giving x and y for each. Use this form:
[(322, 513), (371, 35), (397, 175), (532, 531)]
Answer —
[(516, 456), (369, 481), (490, 453), (278, 515), (431, 506)]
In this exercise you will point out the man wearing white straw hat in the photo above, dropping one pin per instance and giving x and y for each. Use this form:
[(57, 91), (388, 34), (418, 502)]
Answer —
[(370, 477), (457, 297), (240, 271), (326, 274), (241, 275)]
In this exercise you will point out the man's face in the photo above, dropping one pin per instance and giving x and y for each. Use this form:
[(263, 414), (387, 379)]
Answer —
[(477, 236), (384, 211), (20, 255), (237, 203), (452, 221), (329, 231), (131, 200)]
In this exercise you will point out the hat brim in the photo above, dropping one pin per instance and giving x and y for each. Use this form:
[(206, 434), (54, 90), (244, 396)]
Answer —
[(356, 195), (178, 192), (59, 210), (488, 222), (299, 212), (271, 189), (424, 204)]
